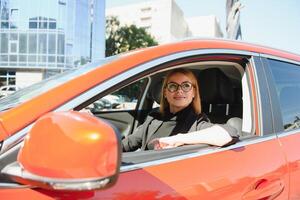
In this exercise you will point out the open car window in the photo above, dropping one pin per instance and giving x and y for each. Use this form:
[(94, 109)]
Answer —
[(224, 91)]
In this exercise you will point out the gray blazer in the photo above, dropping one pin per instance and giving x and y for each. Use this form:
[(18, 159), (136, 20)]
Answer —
[(145, 132)]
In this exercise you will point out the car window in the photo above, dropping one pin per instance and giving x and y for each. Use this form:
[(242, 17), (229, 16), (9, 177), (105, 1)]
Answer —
[(220, 108), (27, 93), (287, 83), (125, 98)]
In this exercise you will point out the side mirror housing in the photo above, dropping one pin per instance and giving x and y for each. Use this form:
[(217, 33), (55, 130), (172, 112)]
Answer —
[(68, 151)]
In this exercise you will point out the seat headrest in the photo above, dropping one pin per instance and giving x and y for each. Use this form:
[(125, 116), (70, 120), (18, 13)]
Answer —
[(236, 123), (215, 87), (155, 90)]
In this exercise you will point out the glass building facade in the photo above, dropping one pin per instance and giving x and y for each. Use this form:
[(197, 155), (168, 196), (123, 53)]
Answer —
[(49, 36)]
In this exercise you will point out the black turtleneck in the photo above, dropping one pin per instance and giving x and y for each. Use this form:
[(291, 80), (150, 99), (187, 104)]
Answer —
[(172, 124)]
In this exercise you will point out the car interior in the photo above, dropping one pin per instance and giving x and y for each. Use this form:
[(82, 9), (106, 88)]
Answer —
[(221, 92)]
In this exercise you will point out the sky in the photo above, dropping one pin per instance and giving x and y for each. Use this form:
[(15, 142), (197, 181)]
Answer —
[(274, 23)]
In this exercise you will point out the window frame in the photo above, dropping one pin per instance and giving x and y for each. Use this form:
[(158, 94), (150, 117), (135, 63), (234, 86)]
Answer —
[(141, 159), (264, 115), (128, 76)]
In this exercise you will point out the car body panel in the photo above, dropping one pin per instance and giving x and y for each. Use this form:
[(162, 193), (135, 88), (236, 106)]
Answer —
[(209, 175), (236, 170), (24, 193), (290, 145)]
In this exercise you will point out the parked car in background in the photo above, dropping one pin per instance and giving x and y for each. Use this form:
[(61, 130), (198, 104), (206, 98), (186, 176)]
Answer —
[(50, 150), (100, 105), (112, 99), (8, 89)]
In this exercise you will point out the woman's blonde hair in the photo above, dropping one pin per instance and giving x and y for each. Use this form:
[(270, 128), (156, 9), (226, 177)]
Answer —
[(196, 100)]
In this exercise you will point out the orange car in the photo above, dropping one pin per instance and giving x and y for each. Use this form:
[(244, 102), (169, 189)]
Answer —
[(49, 150)]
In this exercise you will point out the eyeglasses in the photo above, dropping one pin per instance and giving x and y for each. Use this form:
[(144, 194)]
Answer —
[(185, 86)]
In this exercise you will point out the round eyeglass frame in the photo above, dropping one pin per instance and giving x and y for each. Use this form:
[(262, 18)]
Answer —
[(182, 86)]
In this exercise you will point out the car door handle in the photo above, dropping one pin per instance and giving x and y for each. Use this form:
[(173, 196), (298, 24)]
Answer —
[(264, 189)]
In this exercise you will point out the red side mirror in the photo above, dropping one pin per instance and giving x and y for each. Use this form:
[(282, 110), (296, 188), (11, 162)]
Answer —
[(67, 150)]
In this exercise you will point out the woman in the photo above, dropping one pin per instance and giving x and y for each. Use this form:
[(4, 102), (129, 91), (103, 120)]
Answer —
[(179, 113)]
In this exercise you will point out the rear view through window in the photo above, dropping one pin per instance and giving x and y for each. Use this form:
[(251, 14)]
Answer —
[(287, 82)]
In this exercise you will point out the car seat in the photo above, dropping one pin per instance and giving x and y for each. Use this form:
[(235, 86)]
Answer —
[(217, 94)]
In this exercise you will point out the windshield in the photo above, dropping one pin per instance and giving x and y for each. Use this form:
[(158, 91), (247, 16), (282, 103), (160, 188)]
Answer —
[(36, 89)]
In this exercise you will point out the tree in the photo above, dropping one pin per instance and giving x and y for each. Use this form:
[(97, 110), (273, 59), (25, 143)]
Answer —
[(125, 38)]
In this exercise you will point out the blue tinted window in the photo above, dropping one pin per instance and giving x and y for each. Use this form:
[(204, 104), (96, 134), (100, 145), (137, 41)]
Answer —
[(287, 82)]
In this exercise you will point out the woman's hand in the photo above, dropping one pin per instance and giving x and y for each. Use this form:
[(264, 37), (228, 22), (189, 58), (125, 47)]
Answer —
[(167, 142)]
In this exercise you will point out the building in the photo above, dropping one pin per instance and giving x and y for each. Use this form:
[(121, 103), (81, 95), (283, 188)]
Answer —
[(205, 26), (165, 20), (161, 18), (40, 38)]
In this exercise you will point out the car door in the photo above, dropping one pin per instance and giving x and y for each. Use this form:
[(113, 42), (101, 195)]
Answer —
[(254, 168), (285, 85)]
